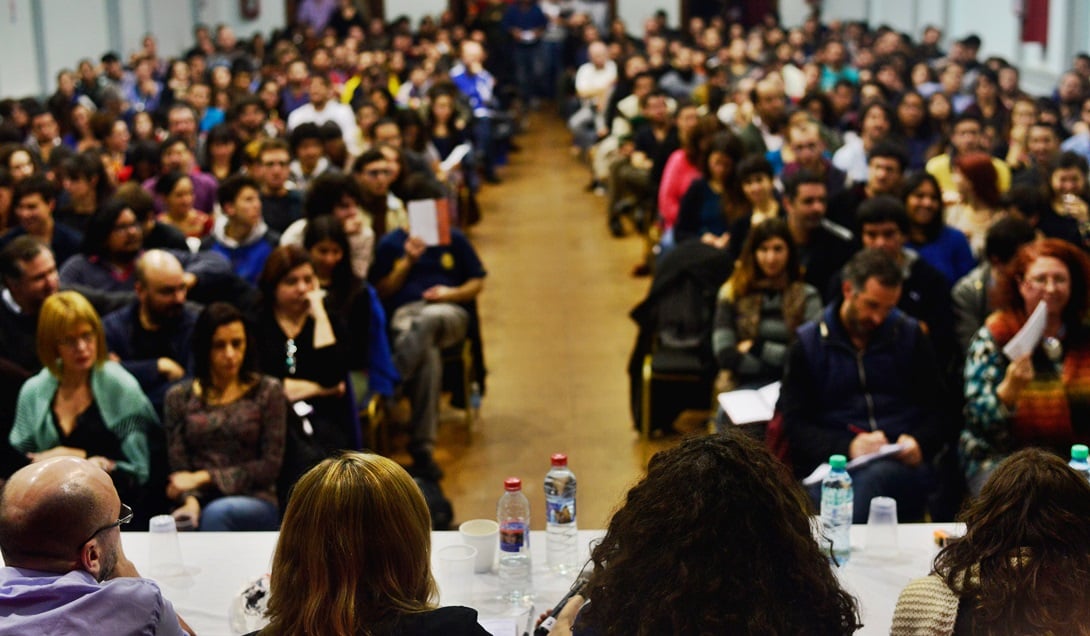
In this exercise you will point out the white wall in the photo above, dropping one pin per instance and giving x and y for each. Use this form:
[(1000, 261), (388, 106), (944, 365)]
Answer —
[(635, 12), (213, 12), (73, 30), (19, 72), (414, 9)]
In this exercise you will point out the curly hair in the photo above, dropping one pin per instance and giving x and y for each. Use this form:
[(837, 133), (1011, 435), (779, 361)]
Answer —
[(1005, 294), (679, 555), (1025, 557)]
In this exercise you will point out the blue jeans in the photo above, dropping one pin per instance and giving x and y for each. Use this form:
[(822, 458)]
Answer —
[(909, 485), (248, 514)]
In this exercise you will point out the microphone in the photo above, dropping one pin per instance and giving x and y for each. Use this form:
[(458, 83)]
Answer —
[(546, 626)]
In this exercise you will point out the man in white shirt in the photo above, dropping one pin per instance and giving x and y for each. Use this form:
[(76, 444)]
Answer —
[(322, 109), (594, 82)]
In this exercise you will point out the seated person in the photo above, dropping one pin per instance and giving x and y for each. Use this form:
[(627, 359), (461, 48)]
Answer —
[(32, 210), (280, 205), (715, 201), (308, 148), (428, 292), (157, 236), (176, 190), (305, 345), (965, 137), (175, 155), (863, 376), (1040, 399), (971, 297), (940, 245), (151, 337), (357, 527), (81, 404), (54, 584), (338, 194), (883, 225), (225, 430), (885, 168), (716, 485), (761, 306), (240, 233), (114, 241), (29, 276), (823, 246), (1018, 568)]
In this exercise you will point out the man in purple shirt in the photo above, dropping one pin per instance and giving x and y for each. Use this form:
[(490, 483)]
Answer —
[(65, 570)]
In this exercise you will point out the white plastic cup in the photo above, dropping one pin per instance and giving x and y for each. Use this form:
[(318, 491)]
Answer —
[(882, 528), (454, 573), (482, 534), (164, 549)]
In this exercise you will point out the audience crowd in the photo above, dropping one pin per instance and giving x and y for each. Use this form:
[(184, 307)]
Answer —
[(208, 265)]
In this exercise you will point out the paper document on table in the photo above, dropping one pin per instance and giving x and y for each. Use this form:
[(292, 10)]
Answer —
[(749, 406), (455, 157), (429, 219), (821, 471), (1029, 335), (499, 626)]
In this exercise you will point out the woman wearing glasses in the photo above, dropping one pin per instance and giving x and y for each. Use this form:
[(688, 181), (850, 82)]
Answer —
[(1042, 398), (225, 430), (82, 404), (302, 343)]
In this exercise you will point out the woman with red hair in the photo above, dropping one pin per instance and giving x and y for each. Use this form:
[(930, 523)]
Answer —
[(978, 208), (1040, 399)]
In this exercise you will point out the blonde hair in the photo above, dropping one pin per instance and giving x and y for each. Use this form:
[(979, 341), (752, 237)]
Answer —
[(59, 315), (354, 549)]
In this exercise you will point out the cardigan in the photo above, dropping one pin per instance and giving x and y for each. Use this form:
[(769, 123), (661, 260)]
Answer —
[(125, 410)]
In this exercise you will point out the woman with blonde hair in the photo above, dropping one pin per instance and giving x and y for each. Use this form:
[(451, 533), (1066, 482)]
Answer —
[(81, 404), (354, 556)]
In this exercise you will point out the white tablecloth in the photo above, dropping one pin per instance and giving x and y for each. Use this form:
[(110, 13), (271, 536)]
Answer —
[(219, 565)]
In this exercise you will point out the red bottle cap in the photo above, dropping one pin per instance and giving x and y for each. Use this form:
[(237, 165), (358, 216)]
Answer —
[(559, 459), (512, 484)]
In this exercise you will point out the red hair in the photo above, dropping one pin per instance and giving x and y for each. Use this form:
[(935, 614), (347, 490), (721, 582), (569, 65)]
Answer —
[(977, 167)]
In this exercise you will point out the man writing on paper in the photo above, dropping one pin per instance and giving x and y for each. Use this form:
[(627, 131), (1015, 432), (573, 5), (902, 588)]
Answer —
[(429, 293), (863, 376)]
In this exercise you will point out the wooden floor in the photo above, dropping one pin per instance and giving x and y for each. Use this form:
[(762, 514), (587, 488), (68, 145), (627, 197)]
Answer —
[(557, 338)]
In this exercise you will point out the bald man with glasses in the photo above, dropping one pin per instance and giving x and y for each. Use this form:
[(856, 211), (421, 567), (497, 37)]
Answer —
[(65, 571)]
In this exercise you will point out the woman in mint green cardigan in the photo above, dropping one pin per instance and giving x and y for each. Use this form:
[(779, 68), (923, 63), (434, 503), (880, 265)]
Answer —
[(81, 404)]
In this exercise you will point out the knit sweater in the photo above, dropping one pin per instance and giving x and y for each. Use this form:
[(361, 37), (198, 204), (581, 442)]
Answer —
[(926, 607)]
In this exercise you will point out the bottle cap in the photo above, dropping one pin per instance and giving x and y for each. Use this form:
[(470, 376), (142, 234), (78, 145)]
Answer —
[(512, 484), (559, 459), (838, 462), (1080, 451)]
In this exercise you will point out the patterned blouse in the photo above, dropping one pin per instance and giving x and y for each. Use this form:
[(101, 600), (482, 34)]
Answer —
[(240, 444)]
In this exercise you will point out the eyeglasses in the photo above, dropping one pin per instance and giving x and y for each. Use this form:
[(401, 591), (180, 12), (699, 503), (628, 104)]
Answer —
[(1041, 282), (378, 172), (125, 517), (71, 342), (289, 351)]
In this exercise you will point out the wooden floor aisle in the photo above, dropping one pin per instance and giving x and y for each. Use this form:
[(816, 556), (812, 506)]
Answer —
[(557, 338)]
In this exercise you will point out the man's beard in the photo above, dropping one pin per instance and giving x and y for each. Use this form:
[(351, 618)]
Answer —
[(109, 563)]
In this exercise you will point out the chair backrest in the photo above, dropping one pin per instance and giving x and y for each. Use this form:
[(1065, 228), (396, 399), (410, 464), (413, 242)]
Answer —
[(684, 315)]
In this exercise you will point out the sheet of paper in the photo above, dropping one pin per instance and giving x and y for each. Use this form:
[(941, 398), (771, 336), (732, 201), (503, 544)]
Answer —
[(749, 406), (499, 626), (822, 470), (1029, 335), (429, 219), (455, 157)]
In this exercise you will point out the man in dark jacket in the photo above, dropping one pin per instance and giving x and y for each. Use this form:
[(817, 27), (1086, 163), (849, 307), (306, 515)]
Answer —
[(859, 378), (152, 336)]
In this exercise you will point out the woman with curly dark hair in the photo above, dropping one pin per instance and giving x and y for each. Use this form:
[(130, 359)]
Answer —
[(679, 557), (1021, 567)]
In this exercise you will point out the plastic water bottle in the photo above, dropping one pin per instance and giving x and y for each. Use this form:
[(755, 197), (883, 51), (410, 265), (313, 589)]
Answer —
[(513, 515), (561, 532), (1078, 461), (836, 508)]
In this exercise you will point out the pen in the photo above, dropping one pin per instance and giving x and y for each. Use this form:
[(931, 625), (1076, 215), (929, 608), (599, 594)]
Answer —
[(855, 429), (546, 626), (529, 621)]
